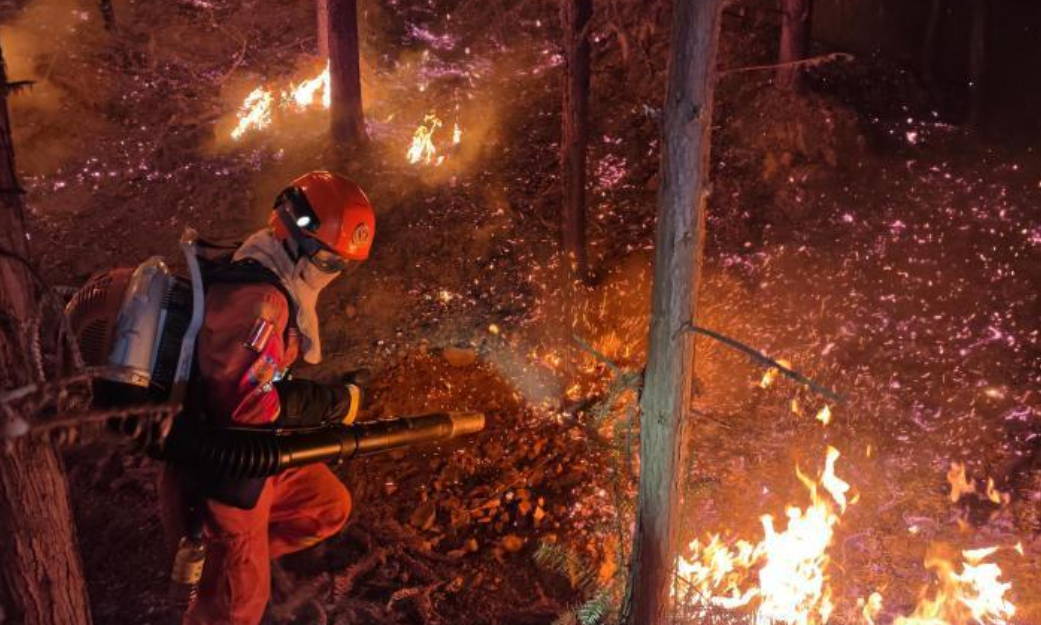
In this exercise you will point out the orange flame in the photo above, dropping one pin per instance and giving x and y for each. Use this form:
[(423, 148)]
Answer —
[(422, 149), (790, 565), (975, 594), (303, 95), (256, 111), (771, 374), (872, 608), (824, 415), (960, 484)]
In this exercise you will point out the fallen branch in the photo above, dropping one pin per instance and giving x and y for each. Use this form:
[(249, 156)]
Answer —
[(810, 62), (595, 354), (61, 385), (150, 411), (344, 582), (766, 360)]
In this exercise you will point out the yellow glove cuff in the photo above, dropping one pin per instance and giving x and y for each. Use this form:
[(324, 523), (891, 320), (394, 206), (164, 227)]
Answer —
[(352, 412)]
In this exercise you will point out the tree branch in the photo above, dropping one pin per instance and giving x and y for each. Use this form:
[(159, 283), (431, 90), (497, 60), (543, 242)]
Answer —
[(810, 62), (766, 360)]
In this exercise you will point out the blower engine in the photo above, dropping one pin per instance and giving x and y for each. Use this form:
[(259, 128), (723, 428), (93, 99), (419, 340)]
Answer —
[(138, 326)]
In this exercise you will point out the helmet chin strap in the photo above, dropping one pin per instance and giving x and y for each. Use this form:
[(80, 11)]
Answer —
[(292, 249)]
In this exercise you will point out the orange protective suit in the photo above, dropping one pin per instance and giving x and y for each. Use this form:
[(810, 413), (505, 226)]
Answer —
[(296, 509)]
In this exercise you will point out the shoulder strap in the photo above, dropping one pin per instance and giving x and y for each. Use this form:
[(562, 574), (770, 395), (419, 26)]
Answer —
[(247, 271)]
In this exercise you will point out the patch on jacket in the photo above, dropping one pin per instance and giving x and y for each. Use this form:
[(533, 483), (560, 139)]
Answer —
[(259, 334), (262, 371)]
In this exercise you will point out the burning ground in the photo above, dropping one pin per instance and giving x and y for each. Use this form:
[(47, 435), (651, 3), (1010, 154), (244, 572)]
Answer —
[(878, 249)]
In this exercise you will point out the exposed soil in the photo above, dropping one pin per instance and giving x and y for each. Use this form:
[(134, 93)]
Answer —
[(884, 252)]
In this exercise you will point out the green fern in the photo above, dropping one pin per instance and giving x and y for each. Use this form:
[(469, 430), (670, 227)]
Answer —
[(598, 606), (595, 611), (566, 563)]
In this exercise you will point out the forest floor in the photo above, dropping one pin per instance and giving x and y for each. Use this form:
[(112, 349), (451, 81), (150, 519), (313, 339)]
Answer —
[(883, 252)]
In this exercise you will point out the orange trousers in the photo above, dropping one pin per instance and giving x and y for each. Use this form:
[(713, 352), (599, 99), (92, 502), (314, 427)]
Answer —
[(297, 509)]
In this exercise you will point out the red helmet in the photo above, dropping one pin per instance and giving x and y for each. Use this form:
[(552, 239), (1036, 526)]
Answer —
[(323, 211)]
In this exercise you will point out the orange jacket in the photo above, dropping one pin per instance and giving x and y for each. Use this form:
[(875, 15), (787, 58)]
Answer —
[(243, 346)]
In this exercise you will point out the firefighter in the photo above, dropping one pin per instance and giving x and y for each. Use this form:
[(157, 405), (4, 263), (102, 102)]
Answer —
[(255, 326)]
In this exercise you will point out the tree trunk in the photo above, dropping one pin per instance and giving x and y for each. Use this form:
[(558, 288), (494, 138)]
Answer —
[(977, 60), (575, 15), (41, 575), (665, 401), (108, 15), (932, 29), (348, 121), (322, 12), (795, 40)]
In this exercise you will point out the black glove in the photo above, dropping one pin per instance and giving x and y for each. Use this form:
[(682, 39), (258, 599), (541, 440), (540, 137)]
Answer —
[(306, 402)]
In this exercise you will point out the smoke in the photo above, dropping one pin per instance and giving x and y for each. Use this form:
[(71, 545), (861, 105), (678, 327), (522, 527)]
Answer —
[(40, 44)]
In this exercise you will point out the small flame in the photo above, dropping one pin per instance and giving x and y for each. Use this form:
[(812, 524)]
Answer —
[(872, 608), (457, 134), (303, 95), (824, 415), (960, 484), (975, 595), (772, 373), (255, 112), (995, 495), (422, 148)]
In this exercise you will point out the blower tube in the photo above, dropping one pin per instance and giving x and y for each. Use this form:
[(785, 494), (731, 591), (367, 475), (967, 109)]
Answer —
[(244, 452)]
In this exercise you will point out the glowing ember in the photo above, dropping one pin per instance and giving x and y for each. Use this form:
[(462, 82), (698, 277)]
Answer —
[(790, 566), (422, 149), (872, 608), (824, 415), (976, 594), (255, 112), (995, 495), (962, 486), (457, 135), (772, 373)]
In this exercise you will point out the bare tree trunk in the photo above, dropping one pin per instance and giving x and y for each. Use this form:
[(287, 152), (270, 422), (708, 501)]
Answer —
[(665, 402), (322, 12), (348, 121), (795, 41), (41, 575), (575, 15), (977, 60), (108, 15), (932, 29)]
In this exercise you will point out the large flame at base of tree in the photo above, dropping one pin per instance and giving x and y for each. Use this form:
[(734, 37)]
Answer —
[(258, 109)]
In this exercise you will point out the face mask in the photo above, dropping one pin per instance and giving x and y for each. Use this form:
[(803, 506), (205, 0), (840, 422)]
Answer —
[(312, 276)]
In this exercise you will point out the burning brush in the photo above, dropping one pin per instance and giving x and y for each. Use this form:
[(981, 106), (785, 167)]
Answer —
[(258, 109)]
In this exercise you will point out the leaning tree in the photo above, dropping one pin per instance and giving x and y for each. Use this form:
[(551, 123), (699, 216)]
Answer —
[(665, 401), (41, 575)]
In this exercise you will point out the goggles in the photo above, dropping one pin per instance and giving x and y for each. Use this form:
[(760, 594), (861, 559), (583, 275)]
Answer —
[(328, 262)]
